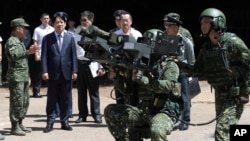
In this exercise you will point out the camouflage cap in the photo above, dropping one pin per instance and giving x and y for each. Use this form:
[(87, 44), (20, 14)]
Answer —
[(18, 22), (174, 15), (172, 18)]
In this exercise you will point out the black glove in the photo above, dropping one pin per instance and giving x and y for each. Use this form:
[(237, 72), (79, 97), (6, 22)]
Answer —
[(84, 31)]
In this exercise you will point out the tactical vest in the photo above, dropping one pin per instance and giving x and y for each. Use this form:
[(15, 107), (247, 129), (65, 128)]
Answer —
[(153, 102), (217, 62)]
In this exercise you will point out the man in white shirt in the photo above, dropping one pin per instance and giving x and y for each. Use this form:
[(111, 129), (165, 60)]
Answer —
[(125, 29), (35, 73)]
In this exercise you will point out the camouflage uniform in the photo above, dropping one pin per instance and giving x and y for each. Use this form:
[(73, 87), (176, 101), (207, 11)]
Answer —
[(157, 103), (185, 32), (182, 30), (18, 81), (185, 54), (227, 70)]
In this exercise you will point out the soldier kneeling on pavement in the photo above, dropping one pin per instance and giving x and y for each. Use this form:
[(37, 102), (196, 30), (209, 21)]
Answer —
[(158, 94)]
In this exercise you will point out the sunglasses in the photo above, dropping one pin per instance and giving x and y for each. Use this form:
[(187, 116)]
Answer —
[(167, 24), (83, 20)]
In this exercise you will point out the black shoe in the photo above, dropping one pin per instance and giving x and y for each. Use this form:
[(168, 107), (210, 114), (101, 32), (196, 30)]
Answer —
[(80, 119), (183, 126), (176, 126), (48, 128), (98, 120), (37, 95), (66, 126)]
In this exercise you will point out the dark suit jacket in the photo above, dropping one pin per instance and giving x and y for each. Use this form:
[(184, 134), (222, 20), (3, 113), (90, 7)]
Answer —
[(54, 61)]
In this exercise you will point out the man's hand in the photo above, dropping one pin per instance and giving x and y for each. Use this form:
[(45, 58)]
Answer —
[(33, 49), (45, 76), (101, 72), (74, 76), (111, 73), (140, 78), (37, 57)]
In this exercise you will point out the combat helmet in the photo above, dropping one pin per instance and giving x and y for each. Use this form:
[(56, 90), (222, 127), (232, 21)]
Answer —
[(218, 19), (152, 33)]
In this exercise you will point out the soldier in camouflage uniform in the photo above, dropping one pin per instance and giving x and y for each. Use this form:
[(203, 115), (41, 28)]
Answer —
[(173, 27), (224, 61), (18, 76), (182, 30), (157, 104)]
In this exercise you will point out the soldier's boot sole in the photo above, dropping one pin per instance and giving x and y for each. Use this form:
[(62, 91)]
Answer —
[(18, 132), (25, 129), (2, 137)]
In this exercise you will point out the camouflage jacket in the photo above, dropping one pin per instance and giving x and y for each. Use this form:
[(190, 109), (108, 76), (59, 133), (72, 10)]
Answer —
[(161, 93), (17, 60), (185, 32), (224, 65)]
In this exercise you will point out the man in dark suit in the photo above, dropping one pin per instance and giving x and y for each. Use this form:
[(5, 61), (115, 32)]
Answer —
[(59, 68)]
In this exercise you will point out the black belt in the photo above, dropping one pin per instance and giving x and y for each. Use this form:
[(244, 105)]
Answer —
[(84, 61)]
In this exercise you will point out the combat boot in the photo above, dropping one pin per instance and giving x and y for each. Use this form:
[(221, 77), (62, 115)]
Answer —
[(16, 130), (25, 129), (2, 137)]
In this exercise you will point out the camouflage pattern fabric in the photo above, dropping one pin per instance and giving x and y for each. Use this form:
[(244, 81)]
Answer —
[(19, 100), (121, 116), (18, 78), (226, 105), (156, 107), (225, 67), (185, 32), (17, 57)]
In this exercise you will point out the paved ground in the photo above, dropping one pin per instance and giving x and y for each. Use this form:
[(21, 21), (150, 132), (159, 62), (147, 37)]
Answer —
[(202, 111)]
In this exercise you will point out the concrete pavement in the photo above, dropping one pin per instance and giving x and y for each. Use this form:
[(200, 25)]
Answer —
[(202, 111)]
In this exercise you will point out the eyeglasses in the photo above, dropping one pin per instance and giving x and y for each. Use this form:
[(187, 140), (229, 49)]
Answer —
[(83, 20), (168, 25)]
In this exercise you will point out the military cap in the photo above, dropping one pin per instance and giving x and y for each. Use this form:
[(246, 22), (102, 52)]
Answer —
[(118, 13), (174, 15), (172, 18), (18, 22)]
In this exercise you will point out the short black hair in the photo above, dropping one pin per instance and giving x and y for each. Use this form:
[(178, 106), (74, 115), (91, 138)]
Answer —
[(62, 15), (118, 13), (44, 14)]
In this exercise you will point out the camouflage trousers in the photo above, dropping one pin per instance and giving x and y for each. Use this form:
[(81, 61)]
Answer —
[(19, 100), (229, 114), (120, 117)]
